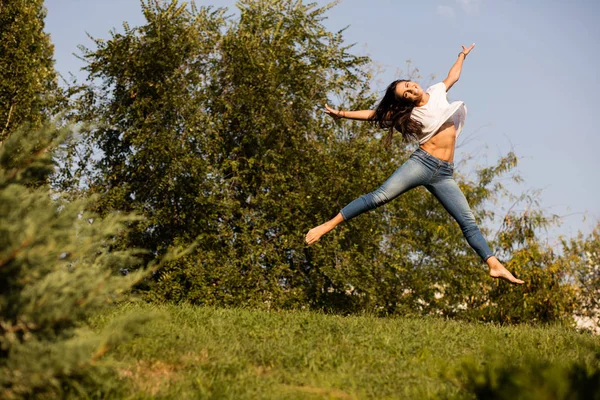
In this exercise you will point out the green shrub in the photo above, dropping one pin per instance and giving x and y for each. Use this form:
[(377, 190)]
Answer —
[(533, 379), (56, 270)]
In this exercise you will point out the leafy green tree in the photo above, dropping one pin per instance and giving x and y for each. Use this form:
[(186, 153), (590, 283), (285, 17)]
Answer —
[(549, 293), (150, 114), (182, 113), (28, 86), (211, 127), (583, 254)]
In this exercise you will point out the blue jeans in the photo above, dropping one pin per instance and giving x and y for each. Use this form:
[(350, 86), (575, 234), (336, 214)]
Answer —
[(436, 175)]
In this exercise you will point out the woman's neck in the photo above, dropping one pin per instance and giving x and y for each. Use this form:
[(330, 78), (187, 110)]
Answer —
[(423, 100)]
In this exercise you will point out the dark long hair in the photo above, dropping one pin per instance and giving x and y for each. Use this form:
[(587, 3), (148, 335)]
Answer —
[(393, 112)]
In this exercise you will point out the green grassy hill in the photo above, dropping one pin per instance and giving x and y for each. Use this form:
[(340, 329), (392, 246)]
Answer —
[(194, 352)]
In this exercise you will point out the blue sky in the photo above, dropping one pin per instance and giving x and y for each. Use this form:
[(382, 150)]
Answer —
[(531, 84)]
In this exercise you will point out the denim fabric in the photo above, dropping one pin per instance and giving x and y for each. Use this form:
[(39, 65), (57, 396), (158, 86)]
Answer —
[(436, 175)]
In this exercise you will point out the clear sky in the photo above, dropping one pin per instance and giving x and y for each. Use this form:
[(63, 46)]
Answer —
[(531, 84)]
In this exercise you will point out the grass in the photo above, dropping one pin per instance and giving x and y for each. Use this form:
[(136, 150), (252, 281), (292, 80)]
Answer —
[(197, 352)]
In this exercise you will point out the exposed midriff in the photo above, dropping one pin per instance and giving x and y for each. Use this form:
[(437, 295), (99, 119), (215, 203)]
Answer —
[(441, 145)]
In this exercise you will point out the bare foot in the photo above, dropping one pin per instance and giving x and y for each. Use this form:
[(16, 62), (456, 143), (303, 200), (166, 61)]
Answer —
[(497, 270), (315, 233)]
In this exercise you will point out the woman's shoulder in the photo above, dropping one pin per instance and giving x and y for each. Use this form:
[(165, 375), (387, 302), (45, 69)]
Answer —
[(440, 86)]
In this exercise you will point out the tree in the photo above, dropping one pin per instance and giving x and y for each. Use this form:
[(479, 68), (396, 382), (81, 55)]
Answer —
[(583, 255), (28, 86), (149, 112), (182, 113), (211, 128)]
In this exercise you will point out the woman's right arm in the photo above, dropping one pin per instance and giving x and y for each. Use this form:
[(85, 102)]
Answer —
[(362, 115)]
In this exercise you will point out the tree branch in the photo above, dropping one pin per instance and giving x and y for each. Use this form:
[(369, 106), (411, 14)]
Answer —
[(101, 351), (12, 106), (28, 161), (14, 253)]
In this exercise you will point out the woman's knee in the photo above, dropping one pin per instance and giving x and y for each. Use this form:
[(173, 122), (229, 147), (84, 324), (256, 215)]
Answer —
[(379, 197), (467, 223)]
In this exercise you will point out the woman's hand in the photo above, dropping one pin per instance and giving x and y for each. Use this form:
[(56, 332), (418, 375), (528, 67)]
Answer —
[(467, 50), (454, 73), (336, 114)]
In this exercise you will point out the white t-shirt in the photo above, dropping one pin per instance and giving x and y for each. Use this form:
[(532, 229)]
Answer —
[(437, 111)]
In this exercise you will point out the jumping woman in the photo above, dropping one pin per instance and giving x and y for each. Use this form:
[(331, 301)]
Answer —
[(430, 119)]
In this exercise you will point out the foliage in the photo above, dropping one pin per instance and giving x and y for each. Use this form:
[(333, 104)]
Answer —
[(55, 271), (584, 256), (28, 86), (207, 134), (532, 379), (548, 295), (210, 126), (56, 257)]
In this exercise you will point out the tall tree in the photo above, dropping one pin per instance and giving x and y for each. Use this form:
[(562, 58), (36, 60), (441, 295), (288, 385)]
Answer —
[(28, 85), (203, 121), (151, 120)]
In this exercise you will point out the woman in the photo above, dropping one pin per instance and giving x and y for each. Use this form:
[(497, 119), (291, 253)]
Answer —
[(428, 118)]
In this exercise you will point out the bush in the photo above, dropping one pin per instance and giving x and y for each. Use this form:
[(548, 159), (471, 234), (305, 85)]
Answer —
[(534, 379), (56, 263)]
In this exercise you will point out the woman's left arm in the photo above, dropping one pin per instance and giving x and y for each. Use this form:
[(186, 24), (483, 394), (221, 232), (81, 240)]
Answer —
[(454, 73)]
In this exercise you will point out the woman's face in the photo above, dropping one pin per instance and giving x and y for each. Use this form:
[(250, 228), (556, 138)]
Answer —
[(410, 91)]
